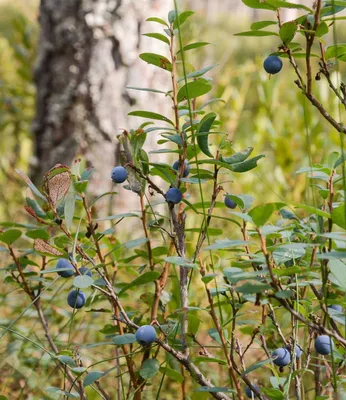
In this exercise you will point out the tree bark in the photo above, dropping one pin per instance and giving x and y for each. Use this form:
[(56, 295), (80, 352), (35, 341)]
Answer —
[(87, 50)]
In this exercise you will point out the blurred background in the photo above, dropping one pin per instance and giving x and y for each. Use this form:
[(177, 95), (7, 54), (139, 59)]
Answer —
[(63, 94), (63, 91)]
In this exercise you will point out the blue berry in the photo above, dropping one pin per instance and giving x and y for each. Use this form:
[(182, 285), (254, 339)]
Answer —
[(186, 167), (145, 335), (119, 174), (299, 351), (282, 357), (230, 203), (85, 271), (249, 393), (76, 299), (272, 64), (63, 264), (324, 344), (174, 195), (336, 307)]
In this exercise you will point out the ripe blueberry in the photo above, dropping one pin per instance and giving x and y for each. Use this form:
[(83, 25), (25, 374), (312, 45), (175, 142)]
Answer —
[(272, 64), (299, 352), (174, 195), (249, 393), (230, 203), (63, 264), (145, 335), (324, 344), (119, 174), (186, 167), (282, 357), (76, 299), (85, 271)]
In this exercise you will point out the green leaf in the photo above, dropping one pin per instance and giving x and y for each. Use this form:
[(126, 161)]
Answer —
[(246, 165), (202, 359), (227, 244), (203, 131), (147, 277), (36, 207), (262, 213), (194, 89), (285, 4), (183, 262), (10, 236), (57, 391), (200, 72), (183, 16), (86, 174), (250, 288), (146, 89), (260, 4), (208, 278), (194, 45), (339, 216), (69, 208), (257, 365), (273, 394), (33, 188), (322, 29), (335, 51), (68, 360), (214, 389), (313, 210), (158, 36), (124, 339), (261, 24), (171, 16), (256, 33), (171, 373), (157, 60), (81, 186), (149, 368), (92, 377), (338, 269), (38, 234), (288, 31), (238, 157), (82, 281), (158, 20), (150, 115)]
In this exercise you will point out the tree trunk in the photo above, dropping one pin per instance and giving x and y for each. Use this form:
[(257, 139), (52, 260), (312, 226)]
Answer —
[(87, 51)]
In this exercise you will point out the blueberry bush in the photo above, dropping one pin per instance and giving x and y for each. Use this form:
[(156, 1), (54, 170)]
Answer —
[(215, 294)]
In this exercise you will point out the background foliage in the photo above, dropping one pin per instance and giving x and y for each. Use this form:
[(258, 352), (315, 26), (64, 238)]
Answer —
[(267, 114)]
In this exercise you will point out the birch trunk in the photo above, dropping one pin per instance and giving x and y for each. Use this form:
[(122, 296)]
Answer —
[(88, 51)]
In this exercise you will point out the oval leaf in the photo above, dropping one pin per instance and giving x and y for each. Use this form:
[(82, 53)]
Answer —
[(203, 131)]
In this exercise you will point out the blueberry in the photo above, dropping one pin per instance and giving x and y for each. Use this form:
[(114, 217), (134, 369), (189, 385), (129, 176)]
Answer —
[(282, 357), (272, 64), (85, 271), (249, 393), (324, 344), (335, 307), (230, 203), (145, 335), (76, 299), (186, 167), (174, 195), (119, 174), (62, 264), (299, 352)]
